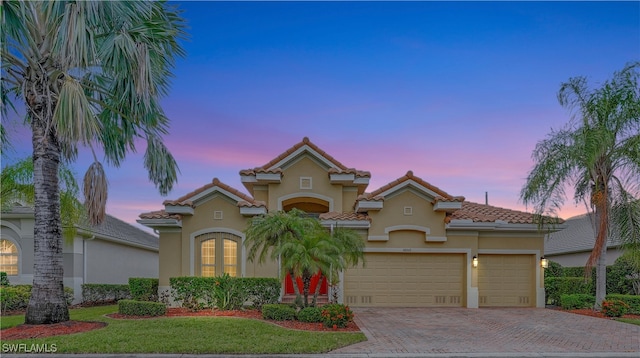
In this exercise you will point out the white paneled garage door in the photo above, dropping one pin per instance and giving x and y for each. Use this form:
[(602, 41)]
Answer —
[(407, 280), (506, 280)]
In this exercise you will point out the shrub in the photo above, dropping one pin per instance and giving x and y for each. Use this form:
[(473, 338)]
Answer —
[(633, 301), (4, 279), (310, 314), (278, 312), (194, 293), (141, 308), (554, 270), (93, 293), (261, 290), (224, 291), (17, 297), (143, 289), (336, 314), (576, 301), (622, 275), (614, 308), (555, 287)]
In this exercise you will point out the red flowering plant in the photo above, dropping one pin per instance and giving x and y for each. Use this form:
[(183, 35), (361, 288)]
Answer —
[(336, 314), (614, 308)]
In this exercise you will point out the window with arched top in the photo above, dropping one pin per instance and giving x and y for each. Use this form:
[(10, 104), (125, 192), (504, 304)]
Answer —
[(8, 257), (219, 254)]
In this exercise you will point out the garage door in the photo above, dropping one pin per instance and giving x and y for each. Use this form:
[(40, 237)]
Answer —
[(406, 280), (506, 280)]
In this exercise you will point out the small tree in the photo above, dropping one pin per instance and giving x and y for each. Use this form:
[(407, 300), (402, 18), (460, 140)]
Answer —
[(303, 246)]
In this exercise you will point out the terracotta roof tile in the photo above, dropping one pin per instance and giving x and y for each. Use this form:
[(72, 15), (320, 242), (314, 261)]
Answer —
[(487, 213), (253, 204), (357, 173), (305, 141), (442, 195), (160, 214), (350, 216), (215, 182)]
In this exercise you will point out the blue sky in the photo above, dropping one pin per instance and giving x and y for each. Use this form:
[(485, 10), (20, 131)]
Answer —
[(457, 92)]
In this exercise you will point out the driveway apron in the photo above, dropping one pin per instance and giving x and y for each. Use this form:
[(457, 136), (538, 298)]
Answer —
[(488, 330)]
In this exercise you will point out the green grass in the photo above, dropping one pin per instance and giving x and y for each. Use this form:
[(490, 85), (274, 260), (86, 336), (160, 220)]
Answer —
[(629, 320), (194, 335)]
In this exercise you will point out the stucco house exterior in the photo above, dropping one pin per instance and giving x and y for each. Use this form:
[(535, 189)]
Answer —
[(107, 253), (420, 241), (571, 246)]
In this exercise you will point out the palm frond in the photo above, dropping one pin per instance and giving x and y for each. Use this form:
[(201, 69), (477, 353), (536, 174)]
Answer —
[(95, 193)]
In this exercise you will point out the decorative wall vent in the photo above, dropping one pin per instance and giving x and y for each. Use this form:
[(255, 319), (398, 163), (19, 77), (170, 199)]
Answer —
[(217, 215), (441, 299), (483, 299), (408, 210), (365, 299), (523, 299), (351, 299), (306, 183), (454, 299)]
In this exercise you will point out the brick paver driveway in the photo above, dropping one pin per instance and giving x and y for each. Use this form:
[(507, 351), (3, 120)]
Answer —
[(505, 330)]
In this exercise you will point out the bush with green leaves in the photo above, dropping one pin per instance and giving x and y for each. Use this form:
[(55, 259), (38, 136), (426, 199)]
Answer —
[(623, 276), (310, 314), (555, 287), (577, 301), (554, 270), (141, 308), (224, 292), (4, 279), (336, 314), (278, 312), (98, 293), (17, 297), (143, 289), (633, 301)]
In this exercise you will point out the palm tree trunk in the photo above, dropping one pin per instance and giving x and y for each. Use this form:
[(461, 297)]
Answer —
[(317, 291), (306, 286), (601, 278), (47, 303), (296, 290)]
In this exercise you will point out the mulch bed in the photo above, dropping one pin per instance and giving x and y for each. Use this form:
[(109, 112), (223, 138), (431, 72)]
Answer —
[(28, 331)]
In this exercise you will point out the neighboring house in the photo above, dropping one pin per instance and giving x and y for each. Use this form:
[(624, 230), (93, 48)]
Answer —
[(572, 246), (107, 253), (420, 240)]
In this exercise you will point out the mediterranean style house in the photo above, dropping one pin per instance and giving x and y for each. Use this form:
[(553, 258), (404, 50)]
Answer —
[(107, 253), (424, 247)]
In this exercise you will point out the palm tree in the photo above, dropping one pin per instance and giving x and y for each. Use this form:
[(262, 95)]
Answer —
[(598, 153), (91, 74), (16, 187), (303, 247)]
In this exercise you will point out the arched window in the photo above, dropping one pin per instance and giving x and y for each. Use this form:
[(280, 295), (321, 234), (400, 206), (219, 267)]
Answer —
[(219, 254), (8, 257)]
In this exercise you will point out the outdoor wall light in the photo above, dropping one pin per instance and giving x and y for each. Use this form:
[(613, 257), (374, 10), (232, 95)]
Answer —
[(474, 261), (544, 263)]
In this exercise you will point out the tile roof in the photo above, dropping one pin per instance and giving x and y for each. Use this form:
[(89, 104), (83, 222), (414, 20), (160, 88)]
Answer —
[(305, 141), (347, 216), (579, 235), (487, 213), (184, 200), (442, 195), (160, 214)]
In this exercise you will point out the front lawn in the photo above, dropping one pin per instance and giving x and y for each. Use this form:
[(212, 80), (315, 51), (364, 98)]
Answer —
[(194, 335), (635, 321)]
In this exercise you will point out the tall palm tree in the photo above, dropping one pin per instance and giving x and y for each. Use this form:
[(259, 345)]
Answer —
[(91, 74), (303, 247), (598, 153)]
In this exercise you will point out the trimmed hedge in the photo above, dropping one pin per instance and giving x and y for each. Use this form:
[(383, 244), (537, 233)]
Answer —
[(93, 293), (278, 312), (310, 314), (555, 287), (143, 289), (17, 297), (141, 308), (4, 279), (632, 300), (223, 292), (577, 301)]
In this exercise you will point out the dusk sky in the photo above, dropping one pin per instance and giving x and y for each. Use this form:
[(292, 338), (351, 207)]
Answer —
[(457, 92)]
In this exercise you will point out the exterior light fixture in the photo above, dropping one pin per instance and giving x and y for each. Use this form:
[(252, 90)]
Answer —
[(474, 261), (544, 263)]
